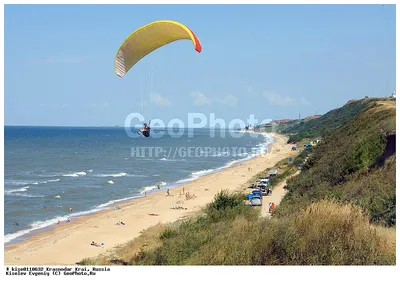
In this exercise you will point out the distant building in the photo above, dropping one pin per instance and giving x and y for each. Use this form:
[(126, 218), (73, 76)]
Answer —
[(393, 95)]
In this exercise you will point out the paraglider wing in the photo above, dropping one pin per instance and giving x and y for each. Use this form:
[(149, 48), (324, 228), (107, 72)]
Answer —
[(149, 38)]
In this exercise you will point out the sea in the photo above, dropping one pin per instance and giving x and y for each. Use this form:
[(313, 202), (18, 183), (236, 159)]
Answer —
[(49, 169)]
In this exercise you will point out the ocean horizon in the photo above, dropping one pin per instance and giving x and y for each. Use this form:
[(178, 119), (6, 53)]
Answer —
[(47, 169)]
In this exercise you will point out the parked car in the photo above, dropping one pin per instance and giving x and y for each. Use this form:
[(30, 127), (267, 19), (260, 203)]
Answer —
[(256, 193), (264, 180), (273, 172), (266, 192), (256, 200)]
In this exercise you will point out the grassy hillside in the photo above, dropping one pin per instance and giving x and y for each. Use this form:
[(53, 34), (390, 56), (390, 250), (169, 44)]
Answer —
[(345, 168), (327, 123), (340, 210), (229, 233)]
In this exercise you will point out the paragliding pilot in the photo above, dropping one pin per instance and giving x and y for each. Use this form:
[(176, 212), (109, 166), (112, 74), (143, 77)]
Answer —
[(145, 130)]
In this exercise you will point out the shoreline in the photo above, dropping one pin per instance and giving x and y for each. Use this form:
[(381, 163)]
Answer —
[(25, 234), (101, 226)]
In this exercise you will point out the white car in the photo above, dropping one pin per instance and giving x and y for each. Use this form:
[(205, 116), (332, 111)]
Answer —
[(266, 180), (256, 201)]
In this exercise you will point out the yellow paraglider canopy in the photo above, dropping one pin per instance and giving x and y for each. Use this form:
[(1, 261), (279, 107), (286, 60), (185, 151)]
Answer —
[(148, 38)]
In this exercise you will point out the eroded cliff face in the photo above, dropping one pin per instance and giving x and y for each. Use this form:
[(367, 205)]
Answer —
[(390, 148)]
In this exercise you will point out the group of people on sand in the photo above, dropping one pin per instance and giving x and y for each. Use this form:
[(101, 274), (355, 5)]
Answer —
[(178, 208), (59, 222), (189, 197)]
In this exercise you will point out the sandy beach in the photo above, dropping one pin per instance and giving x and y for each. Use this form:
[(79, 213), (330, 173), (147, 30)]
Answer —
[(68, 243)]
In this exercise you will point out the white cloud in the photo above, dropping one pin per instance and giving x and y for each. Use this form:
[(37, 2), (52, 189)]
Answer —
[(229, 100), (200, 98), (159, 100), (276, 99)]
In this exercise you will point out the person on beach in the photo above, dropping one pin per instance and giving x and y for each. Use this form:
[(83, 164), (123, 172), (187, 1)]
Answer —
[(70, 209), (271, 207), (158, 186), (183, 189), (168, 193), (97, 245)]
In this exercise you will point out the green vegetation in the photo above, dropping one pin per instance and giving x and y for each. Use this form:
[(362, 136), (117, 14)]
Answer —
[(197, 233), (340, 210), (327, 123), (343, 168), (325, 233)]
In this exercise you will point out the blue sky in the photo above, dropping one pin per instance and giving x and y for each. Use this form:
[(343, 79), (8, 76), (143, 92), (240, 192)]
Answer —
[(273, 61)]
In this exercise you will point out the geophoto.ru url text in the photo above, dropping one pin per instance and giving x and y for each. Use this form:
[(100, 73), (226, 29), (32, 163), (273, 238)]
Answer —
[(194, 152)]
